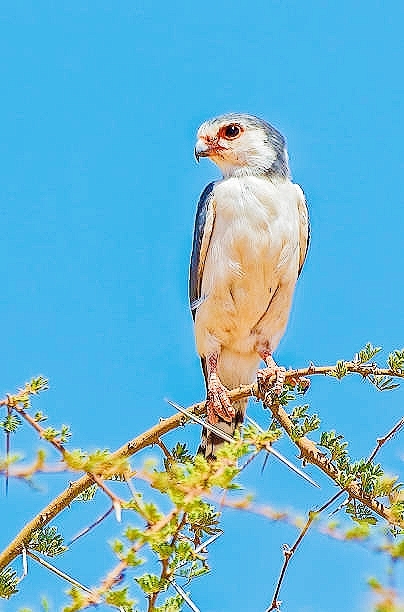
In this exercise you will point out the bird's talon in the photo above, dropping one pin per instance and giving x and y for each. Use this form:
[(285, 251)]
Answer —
[(218, 403), (265, 376)]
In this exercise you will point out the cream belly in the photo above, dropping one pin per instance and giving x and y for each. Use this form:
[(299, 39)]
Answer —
[(251, 267)]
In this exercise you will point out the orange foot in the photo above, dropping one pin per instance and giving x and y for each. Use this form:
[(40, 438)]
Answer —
[(218, 403)]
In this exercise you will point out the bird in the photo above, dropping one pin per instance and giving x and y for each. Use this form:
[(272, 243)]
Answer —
[(250, 242)]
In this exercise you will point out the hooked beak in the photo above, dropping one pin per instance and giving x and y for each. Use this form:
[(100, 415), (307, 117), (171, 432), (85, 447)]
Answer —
[(202, 149)]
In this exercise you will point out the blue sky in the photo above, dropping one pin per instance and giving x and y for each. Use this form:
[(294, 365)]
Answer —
[(100, 104)]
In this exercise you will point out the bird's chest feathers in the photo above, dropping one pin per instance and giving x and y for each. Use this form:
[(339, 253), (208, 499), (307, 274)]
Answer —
[(255, 231)]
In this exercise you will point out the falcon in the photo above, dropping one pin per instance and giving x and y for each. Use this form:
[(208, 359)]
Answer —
[(250, 242)]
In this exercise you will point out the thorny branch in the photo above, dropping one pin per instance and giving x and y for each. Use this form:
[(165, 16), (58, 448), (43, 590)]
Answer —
[(308, 449), (313, 514)]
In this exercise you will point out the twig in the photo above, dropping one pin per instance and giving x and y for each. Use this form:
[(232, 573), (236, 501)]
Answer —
[(114, 498), (38, 428), (91, 527), (289, 552), (25, 472), (380, 441), (165, 570), (165, 450)]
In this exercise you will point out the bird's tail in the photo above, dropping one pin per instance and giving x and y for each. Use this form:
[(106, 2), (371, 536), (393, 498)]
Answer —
[(210, 442)]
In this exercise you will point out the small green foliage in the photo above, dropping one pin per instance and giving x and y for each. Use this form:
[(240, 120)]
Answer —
[(8, 582), (78, 600), (23, 397), (361, 531), (341, 370), (133, 533), (117, 546), (397, 510), (396, 550), (259, 438), (120, 599), (181, 454), (47, 541), (8, 461), (45, 604), (172, 604), (367, 353), (132, 559), (388, 486), (298, 413), (360, 513), (65, 434), (285, 396), (337, 448), (98, 462), (39, 417), (203, 519), (383, 383), (303, 422), (37, 385), (367, 474), (10, 423), (150, 583), (50, 434), (88, 494), (396, 361)]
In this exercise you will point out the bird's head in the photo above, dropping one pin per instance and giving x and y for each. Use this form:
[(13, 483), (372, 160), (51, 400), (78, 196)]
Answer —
[(241, 145)]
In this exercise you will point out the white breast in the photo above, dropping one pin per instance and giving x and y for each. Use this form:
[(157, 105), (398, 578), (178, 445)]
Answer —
[(251, 265)]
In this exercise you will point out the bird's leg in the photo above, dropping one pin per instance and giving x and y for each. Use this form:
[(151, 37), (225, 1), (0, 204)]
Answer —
[(272, 369), (218, 403)]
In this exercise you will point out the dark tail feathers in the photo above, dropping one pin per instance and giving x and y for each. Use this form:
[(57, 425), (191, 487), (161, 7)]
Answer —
[(210, 442)]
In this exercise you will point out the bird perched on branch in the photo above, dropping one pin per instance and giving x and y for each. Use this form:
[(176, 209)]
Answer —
[(250, 242)]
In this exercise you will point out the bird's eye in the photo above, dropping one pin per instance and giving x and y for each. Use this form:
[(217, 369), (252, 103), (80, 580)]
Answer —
[(231, 131)]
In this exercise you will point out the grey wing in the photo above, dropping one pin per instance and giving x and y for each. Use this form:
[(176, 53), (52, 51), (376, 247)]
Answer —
[(204, 221), (304, 227)]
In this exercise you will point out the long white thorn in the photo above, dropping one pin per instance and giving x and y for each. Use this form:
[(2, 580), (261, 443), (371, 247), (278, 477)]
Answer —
[(278, 455), (227, 438), (184, 596)]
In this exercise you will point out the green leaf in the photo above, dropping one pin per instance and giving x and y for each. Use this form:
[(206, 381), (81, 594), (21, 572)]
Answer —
[(340, 370), (150, 583), (172, 604), (8, 582), (119, 598), (10, 423), (383, 383), (396, 361), (38, 384), (78, 600), (367, 353), (47, 541), (88, 494)]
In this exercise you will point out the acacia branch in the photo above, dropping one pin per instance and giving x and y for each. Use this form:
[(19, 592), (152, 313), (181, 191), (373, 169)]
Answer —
[(307, 448), (313, 514)]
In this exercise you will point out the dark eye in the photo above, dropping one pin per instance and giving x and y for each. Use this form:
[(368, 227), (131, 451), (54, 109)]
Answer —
[(231, 131)]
